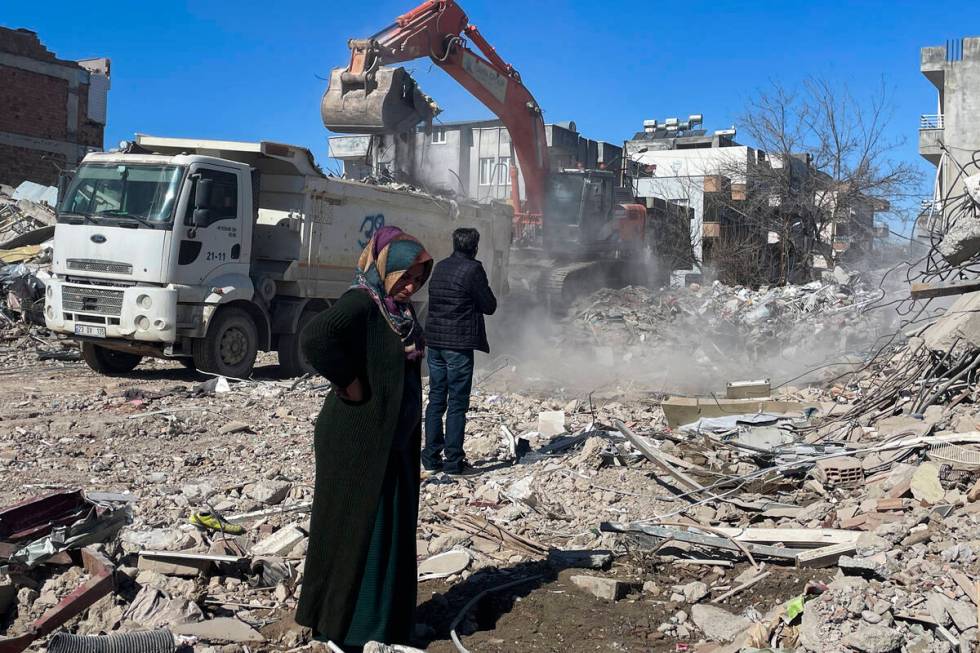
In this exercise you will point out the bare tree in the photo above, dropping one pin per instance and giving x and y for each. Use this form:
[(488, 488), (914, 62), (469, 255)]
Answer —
[(824, 165)]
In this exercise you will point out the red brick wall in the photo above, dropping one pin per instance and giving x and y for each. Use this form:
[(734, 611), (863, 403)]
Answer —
[(18, 164), (36, 105)]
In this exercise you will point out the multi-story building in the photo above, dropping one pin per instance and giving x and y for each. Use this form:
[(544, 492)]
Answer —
[(950, 137), (467, 159), (676, 161), (52, 111), (744, 203)]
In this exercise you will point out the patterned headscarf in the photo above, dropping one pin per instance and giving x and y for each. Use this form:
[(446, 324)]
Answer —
[(390, 253)]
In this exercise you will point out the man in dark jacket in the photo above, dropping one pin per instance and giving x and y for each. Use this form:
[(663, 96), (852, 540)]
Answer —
[(459, 297)]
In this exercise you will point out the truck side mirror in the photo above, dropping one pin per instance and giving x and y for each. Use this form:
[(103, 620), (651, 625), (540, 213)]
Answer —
[(202, 202)]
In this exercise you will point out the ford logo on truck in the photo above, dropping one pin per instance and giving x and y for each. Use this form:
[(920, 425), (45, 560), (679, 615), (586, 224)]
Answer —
[(97, 238)]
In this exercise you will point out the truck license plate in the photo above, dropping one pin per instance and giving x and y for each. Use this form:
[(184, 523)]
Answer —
[(91, 331)]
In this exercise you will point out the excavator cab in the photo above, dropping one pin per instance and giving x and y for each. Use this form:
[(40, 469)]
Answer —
[(380, 101), (579, 208)]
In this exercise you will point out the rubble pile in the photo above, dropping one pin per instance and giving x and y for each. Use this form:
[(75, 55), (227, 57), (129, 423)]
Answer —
[(26, 234), (757, 525), (724, 328)]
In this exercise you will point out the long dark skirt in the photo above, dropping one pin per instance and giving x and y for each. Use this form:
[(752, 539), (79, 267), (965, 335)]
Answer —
[(385, 609)]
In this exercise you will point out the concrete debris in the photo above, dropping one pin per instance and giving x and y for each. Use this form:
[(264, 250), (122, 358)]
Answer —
[(857, 494), (609, 589), (281, 542), (221, 629), (874, 639), (717, 624), (925, 485), (270, 493)]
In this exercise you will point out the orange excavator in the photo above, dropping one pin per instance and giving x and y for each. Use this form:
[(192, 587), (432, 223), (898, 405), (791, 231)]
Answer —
[(570, 227)]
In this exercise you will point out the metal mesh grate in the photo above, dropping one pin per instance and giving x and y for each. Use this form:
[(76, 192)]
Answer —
[(97, 301)]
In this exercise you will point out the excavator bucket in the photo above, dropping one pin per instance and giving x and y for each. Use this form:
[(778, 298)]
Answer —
[(387, 100)]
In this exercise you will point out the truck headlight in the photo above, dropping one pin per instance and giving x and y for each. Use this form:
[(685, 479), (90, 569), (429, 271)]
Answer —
[(144, 302), (49, 312), (142, 323)]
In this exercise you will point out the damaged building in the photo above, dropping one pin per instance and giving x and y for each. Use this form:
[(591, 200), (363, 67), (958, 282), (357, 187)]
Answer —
[(737, 195), (465, 159), (54, 110), (949, 139)]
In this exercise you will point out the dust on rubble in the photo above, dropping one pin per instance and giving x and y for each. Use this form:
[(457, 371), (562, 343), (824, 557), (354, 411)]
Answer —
[(823, 517)]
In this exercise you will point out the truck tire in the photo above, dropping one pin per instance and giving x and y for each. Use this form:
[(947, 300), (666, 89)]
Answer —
[(109, 362), (292, 361), (230, 346)]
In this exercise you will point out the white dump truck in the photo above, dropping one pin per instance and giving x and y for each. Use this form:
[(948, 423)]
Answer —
[(210, 251)]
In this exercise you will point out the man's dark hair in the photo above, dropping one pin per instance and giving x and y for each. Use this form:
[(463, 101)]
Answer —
[(466, 241)]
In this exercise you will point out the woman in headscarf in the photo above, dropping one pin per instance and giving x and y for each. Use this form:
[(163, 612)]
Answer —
[(359, 582)]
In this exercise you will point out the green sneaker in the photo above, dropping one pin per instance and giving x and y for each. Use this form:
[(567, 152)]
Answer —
[(211, 522)]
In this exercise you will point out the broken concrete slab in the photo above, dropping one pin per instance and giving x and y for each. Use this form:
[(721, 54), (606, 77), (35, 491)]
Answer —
[(443, 565), (717, 624), (925, 484), (875, 566), (962, 241), (609, 589), (225, 629), (551, 423), (958, 330), (270, 493), (874, 639), (279, 543), (694, 592)]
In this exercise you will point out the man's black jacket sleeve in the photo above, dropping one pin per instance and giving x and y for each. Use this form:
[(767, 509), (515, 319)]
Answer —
[(483, 296)]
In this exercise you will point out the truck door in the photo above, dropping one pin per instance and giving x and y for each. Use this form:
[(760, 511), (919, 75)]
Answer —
[(212, 239)]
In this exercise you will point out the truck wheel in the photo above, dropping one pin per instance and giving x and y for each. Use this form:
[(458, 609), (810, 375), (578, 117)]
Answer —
[(292, 360), (230, 347), (109, 361)]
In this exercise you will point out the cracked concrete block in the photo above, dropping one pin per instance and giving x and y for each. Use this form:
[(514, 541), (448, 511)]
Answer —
[(958, 330)]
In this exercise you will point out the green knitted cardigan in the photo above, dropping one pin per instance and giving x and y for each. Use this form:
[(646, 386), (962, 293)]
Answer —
[(351, 340)]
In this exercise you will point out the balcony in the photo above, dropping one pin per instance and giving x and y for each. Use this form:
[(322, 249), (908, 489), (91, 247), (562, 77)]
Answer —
[(931, 137)]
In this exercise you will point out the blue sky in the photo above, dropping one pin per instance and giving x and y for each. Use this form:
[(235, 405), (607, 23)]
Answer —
[(255, 70)]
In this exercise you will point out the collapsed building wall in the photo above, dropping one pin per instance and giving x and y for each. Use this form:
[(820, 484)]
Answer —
[(54, 110)]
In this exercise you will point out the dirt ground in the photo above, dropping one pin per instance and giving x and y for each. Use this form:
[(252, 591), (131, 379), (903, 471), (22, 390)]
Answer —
[(61, 425)]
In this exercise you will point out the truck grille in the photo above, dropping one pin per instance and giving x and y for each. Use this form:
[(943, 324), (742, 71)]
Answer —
[(96, 301), (90, 265)]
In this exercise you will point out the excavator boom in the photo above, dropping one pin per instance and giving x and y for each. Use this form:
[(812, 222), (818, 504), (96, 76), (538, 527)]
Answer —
[(370, 97)]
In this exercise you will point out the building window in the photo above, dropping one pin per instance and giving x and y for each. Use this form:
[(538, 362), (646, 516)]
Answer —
[(503, 170), (438, 135), (495, 171), (486, 170)]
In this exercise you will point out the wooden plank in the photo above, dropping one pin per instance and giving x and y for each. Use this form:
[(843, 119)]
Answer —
[(798, 536), (825, 556), (944, 288)]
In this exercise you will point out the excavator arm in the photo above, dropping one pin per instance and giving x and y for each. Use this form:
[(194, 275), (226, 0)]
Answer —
[(368, 98)]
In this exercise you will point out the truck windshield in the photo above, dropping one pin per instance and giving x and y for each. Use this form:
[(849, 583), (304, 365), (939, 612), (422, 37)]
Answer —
[(146, 194)]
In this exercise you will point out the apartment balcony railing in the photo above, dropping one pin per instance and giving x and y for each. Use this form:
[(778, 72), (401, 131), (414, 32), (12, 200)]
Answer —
[(931, 121)]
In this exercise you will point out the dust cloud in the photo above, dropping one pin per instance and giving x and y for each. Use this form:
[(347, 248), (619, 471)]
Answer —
[(694, 340)]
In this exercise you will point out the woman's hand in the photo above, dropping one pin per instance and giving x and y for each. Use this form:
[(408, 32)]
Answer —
[(354, 392)]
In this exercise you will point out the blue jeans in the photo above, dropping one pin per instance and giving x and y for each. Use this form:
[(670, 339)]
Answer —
[(450, 381)]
